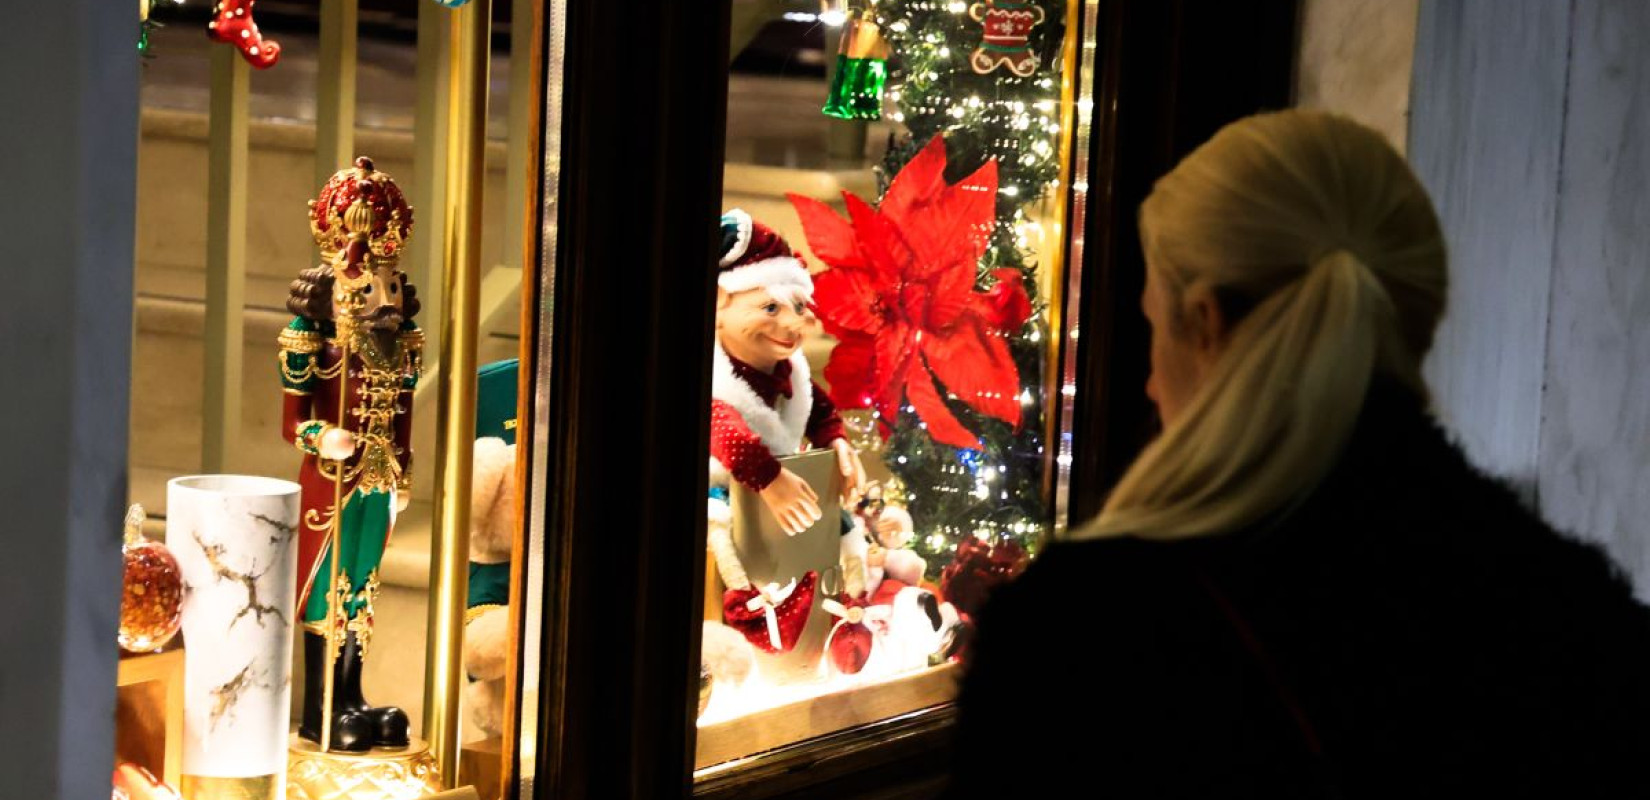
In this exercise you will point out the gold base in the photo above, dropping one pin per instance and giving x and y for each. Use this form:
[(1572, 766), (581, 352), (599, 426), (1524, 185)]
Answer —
[(259, 787), (381, 774)]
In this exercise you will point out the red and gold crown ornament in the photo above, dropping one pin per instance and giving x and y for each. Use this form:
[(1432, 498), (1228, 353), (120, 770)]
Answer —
[(360, 221), (391, 222)]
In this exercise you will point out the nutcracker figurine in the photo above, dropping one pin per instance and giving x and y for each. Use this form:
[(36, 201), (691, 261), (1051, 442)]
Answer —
[(349, 363)]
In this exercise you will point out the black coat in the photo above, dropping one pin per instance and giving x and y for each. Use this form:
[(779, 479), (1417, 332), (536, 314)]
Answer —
[(1411, 622)]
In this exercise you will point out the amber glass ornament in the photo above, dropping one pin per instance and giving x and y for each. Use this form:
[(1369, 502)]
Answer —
[(151, 600)]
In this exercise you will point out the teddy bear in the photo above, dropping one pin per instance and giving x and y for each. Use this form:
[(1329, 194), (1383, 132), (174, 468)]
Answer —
[(487, 639)]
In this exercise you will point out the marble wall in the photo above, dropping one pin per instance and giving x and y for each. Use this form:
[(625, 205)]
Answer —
[(1595, 432), (1355, 58), (1488, 118), (1529, 129)]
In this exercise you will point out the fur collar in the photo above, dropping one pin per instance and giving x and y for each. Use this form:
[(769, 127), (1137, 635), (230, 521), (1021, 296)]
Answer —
[(782, 427)]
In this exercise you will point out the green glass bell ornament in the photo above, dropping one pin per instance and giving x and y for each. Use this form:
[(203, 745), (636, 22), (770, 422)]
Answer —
[(861, 71)]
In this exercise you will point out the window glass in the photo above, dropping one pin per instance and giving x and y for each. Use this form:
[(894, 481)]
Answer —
[(883, 449)]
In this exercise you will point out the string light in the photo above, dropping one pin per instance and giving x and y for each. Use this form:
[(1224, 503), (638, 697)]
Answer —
[(993, 493)]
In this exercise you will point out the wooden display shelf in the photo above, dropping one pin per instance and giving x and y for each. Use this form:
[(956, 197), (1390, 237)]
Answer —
[(789, 723), (149, 712), (479, 763)]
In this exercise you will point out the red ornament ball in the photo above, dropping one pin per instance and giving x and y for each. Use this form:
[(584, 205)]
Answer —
[(151, 601)]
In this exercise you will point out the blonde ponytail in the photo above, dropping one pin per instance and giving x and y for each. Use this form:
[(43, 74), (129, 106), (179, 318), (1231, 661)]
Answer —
[(1321, 230)]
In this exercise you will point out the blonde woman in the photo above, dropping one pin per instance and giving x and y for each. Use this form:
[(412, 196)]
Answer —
[(1301, 588)]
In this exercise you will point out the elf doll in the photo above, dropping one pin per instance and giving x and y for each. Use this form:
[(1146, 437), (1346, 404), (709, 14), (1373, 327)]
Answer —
[(764, 404), (349, 363)]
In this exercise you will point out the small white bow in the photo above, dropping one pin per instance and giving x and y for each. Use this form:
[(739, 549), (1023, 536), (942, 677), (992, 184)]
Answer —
[(767, 597)]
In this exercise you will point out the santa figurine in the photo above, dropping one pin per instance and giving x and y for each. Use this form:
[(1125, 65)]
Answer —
[(765, 405)]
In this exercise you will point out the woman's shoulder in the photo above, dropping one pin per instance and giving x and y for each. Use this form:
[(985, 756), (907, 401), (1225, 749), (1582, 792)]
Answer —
[(1113, 584), (1125, 559)]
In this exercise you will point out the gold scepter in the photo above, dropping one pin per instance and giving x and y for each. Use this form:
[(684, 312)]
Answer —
[(358, 220)]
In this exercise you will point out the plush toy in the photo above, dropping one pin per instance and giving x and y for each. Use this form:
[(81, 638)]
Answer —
[(911, 629), (725, 659), (487, 625), (494, 513)]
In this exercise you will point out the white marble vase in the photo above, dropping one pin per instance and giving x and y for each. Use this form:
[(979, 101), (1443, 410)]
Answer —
[(236, 541)]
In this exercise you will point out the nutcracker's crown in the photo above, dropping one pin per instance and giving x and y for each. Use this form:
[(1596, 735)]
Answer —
[(361, 204)]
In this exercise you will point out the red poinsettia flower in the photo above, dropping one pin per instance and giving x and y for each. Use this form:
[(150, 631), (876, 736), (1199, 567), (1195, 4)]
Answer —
[(900, 297)]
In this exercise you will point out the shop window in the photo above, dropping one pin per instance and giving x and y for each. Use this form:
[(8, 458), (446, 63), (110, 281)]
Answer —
[(249, 365), (885, 439)]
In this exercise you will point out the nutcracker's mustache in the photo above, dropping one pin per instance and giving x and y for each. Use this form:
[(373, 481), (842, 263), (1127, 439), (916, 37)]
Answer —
[(385, 318)]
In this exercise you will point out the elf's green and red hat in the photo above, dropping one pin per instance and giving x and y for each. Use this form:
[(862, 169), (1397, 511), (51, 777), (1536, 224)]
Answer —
[(754, 256)]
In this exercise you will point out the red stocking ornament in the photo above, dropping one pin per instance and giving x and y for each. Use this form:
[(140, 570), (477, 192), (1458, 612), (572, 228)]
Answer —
[(771, 617), (232, 24)]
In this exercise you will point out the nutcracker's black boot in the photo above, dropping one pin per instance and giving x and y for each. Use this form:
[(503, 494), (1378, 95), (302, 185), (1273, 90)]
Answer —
[(389, 724), (351, 731)]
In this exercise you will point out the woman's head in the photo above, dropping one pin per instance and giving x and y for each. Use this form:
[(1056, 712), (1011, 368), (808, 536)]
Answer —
[(1289, 260)]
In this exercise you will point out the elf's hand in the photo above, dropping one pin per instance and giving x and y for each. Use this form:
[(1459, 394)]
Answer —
[(402, 500), (336, 444), (793, 502), (853, 471)]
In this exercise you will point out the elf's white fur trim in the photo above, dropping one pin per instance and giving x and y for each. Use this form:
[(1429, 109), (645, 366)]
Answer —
[(717, 512), (719, 541), (740, 243), (782, 428), (780, 271), (492, 501)]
